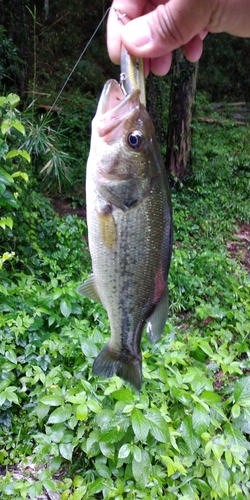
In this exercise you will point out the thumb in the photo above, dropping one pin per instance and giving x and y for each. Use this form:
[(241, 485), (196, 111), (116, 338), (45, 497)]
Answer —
[(166, 28)]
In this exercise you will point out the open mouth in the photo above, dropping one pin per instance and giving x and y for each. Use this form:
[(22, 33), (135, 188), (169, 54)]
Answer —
[(114, 107)]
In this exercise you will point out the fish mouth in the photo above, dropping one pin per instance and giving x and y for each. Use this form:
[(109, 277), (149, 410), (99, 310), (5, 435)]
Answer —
[(114, 109)]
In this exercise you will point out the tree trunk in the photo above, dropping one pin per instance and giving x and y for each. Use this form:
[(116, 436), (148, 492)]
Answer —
[(181, 105), (154, 92), (46, 9)]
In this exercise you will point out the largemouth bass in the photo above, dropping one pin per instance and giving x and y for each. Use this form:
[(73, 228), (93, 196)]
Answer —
[(130, 230)]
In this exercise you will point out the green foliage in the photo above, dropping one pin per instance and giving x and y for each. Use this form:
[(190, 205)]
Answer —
[(49, 161), (186, 435), (9, 62), (10, 174), (224, 68), (75, 128)]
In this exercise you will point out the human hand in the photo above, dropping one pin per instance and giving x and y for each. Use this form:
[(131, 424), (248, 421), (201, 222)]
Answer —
[(158, 27)]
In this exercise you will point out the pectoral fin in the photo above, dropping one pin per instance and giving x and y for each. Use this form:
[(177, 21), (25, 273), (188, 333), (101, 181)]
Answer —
[(88, 289), (156, 321)]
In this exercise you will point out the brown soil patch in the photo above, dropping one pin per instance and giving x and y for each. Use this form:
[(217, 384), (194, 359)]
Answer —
[(239, 248), (64, 207)]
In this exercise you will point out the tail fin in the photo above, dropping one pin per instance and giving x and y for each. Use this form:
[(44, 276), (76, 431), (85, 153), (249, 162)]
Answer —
[(109, 363)]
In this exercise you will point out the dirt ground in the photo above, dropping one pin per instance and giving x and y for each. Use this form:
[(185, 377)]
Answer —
[(239, 247), (64, 207)]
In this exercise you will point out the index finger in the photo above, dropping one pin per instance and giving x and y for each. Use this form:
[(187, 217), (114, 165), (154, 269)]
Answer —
[(132, 9)]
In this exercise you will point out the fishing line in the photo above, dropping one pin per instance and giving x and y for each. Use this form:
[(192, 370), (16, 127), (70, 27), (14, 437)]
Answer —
[(78, 60)]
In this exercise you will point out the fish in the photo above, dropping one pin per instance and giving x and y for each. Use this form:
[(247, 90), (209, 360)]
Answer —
[(129, 219)]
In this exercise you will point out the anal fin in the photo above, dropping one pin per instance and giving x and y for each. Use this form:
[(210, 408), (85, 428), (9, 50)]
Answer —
[(156, 321)]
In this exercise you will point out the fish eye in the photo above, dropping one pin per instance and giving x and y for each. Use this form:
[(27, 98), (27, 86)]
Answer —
[(134, 139)]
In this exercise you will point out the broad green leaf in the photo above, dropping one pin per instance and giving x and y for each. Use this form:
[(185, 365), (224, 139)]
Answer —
[(224, 485), (23, 175), (128, 408), (158, 426), (89, 348), (60, 415), (137, 453), (3, 258), (78, 481), (237, 438), (72, 422), (81, 412), (13, 99), (3, 290), (203, 487), (35, 489), (6, 221), (3, 148), (2, 398), (215, 471), (235, 410), (57, 293), (5, 126), (242, 391), (3, 100), (95, 487), (173, 465), (92, 446), (77, 399), (140, 424), (4, 384), (243, 421), (188, 434), (206, 347), (66, 450), (65, 308), (18, 126), (200, 419), (229, 458), (57, 432), (18, 152), (105, 419), (93, 406), (142, 470), (107, 449), (5, 177), (11, 395), (11, 356), (52, 400), (8, 200), (42, 410), (124, 395), (79, 493), (49, 485), (113, 435), (124, 451), (8, 366), (211, 398), (102, 470)]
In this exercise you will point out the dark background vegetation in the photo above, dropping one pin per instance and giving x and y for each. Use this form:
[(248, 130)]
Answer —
[(62, 430)]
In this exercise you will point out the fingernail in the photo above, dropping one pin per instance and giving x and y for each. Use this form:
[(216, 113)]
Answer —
[(137, 33)]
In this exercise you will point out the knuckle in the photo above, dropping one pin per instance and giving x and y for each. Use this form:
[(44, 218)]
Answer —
[(166, 26)]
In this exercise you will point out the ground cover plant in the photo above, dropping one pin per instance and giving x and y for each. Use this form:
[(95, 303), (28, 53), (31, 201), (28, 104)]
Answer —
[(186, 435)]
